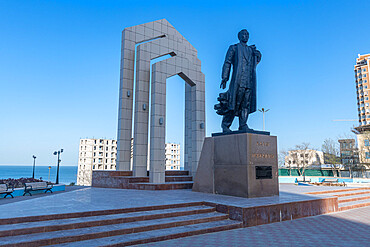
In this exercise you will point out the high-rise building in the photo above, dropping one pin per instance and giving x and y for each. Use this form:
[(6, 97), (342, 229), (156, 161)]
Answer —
[(95, 154), (363, 87), (101, 154), (172, 156)]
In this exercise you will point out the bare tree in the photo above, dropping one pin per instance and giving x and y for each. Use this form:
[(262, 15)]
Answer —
[(331, 152), (303, 156), (283, 154)]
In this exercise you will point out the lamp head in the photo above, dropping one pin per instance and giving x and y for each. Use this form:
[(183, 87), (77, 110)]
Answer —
[(33, 156), (61, 150), (55, 153)]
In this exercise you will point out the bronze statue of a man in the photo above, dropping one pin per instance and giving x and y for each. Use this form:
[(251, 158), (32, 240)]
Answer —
[(240, 99)]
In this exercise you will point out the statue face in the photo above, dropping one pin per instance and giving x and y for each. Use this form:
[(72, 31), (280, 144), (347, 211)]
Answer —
[(243, 36)]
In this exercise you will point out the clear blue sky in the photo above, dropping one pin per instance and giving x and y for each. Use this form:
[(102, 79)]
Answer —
[(59, 68)]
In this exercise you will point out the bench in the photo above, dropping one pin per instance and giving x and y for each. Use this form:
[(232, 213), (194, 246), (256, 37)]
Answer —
[(300, 179), (28, 187), (8, 190), (333, 181)]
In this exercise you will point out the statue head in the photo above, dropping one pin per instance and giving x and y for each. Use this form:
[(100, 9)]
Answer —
[(243, 36)]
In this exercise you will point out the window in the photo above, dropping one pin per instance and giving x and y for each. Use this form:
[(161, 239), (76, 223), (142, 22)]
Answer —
[(367, 142), (367, 155)]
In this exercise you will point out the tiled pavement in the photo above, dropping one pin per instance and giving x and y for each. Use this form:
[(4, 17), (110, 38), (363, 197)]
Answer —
[(91, 199), (348, 228)]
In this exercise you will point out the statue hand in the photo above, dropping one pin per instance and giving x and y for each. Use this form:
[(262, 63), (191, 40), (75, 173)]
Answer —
[(223, 84)]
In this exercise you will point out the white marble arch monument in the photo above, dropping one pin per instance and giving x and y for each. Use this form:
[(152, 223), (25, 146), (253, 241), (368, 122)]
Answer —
[(153, 40)]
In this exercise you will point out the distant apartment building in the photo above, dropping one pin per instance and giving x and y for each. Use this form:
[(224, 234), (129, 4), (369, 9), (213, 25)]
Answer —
[(101, 154), (304, 158), (363, 87), (348, 152), (172, 156), (95, 154)]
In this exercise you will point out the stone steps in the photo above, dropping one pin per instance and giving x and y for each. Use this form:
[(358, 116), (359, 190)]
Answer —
[(349, 198), (75, 223), (178, 178), (354, 204), (122, 228), (174, 180), (16, 220), (164, 186), (335, 191), (352, 194), (355, 198), (177, 173), (158, 235)]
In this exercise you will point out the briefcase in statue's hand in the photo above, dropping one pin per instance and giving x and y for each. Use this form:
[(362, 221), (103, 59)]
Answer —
[(223, 106)]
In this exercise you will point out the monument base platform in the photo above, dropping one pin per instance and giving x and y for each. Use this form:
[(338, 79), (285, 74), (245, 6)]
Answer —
[(243, 165), (174, 180)]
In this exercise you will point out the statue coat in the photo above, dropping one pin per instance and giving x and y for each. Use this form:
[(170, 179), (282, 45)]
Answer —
[(244, 60)]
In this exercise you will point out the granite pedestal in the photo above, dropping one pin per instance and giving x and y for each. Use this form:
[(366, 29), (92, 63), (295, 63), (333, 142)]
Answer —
[(243, 165)]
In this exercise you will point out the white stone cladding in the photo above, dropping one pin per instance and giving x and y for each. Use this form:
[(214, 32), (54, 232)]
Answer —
[(95, 154), (162, 39), (173, 155)]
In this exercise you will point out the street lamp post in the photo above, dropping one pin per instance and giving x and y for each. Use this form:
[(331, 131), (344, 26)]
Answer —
[(49, 174), (263, 110), (34, 163), (58, 153)]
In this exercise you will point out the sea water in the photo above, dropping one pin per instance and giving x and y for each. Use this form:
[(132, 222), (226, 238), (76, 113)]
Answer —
[(67, 174)]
